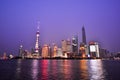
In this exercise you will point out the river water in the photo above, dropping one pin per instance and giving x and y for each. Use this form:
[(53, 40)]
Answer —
[(19, 69)]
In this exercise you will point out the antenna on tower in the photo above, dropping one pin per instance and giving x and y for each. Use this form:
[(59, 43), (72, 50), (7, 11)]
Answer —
[(38, 25)]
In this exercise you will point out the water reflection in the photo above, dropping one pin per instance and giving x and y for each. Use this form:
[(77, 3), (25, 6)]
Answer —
[(67, 68), (53, 69), (96, 70), (60, 70), (35, 69), (18, 68), (44, 69), (84, 69)]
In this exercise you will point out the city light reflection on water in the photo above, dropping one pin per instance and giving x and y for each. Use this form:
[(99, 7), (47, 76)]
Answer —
[(84, 69), (44, 69), (18, 69), (58, 70), (34, 69), (67, 69), (96, 70)]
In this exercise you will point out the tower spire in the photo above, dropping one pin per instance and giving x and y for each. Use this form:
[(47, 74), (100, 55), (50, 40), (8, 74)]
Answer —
[(38, 25)]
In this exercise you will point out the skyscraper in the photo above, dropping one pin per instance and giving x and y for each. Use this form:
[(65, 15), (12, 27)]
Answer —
[(66, 46), (21, 51), (94, 49), (83, 50), (59, 52), (55, 50), (75, 45), (69, 46), (45, 51), (83, 36)]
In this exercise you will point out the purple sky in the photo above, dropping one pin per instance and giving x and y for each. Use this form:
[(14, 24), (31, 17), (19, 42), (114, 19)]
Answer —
[(59, 19)]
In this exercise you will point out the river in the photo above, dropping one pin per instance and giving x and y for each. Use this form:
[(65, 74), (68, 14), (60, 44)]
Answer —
[(31, 69)]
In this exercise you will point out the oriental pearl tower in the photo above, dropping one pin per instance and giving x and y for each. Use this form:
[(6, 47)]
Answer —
[(37, 39), (36, 55)]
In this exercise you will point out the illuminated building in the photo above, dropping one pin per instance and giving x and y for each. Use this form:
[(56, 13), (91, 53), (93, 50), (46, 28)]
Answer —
[(64, 46), (45, 50), (5, 56), (82, 50), (55, 51), (11, 56), (83, 36), (75, 45), (69, 46), (87, 51), (28, 54), (59, 53), (94, 49), (49, 51), (21, 51)]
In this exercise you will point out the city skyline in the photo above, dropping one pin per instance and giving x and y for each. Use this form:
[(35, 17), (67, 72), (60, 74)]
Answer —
[(58, 20)]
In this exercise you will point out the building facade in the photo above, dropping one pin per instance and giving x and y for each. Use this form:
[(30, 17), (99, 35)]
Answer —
[(45, 51), (94, 49), (75, 45)]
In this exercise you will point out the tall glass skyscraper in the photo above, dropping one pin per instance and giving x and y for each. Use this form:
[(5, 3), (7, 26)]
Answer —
[(83, 36), (83, 50)]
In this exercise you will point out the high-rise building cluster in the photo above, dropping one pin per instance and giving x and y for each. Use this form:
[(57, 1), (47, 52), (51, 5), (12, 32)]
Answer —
[(70, 48)]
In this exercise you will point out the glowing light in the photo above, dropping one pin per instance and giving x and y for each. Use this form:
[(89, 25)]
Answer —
[(44, 69), (37, 40), (96, 70), (65, 55), (35, 69), (92, 48), (88, 55), (84, 69), (83, 55), (18, 69)]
